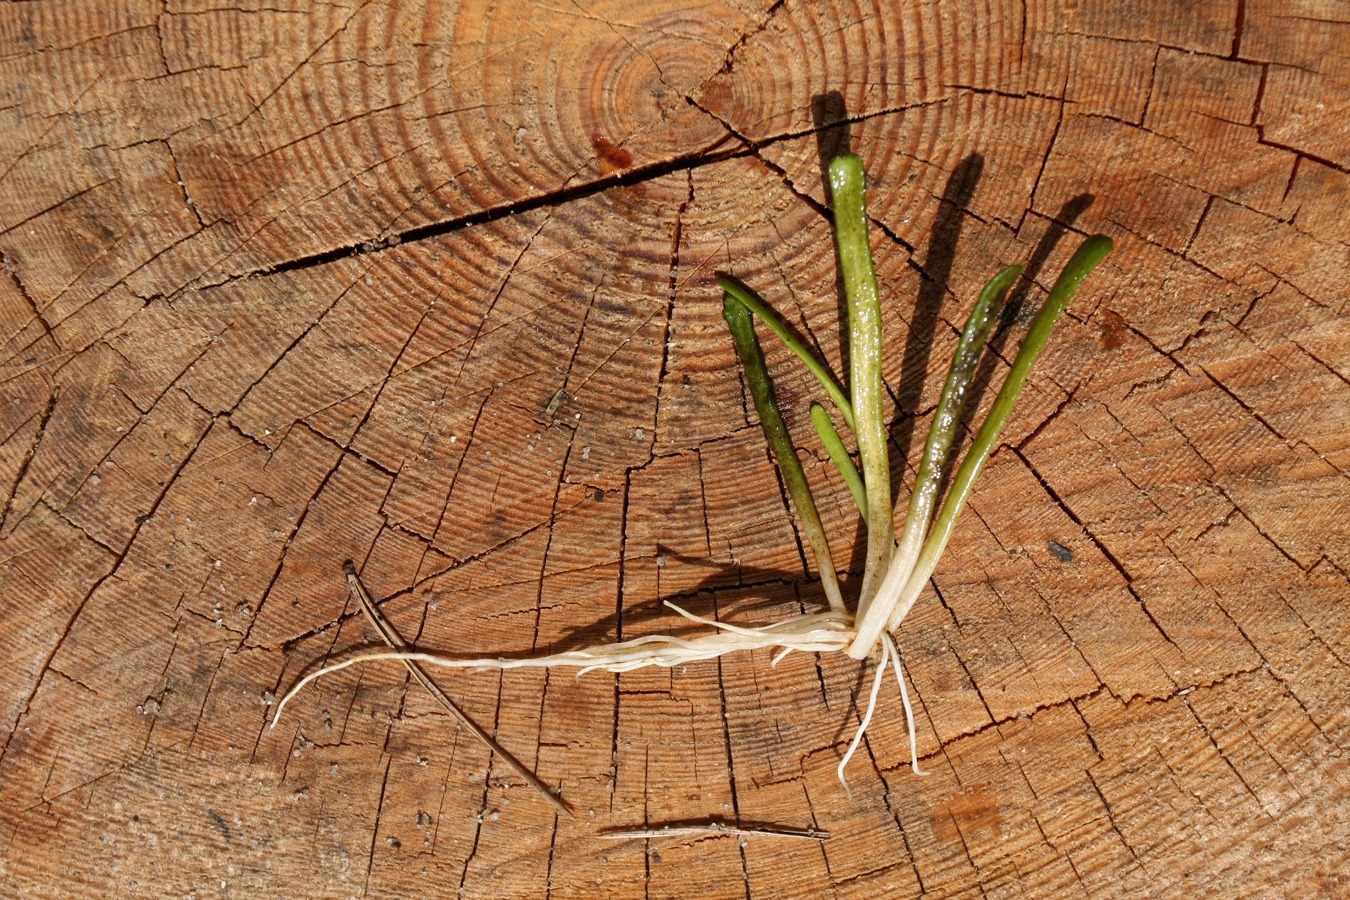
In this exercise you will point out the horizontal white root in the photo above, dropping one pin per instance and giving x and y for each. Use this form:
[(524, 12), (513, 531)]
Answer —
[(811, 633), (822, 632)]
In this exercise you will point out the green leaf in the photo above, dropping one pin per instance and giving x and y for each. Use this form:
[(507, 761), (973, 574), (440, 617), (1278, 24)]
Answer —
[(756, 305), (780, 443), (864, 348), (1089, 255), (937, 449), (839, 454)]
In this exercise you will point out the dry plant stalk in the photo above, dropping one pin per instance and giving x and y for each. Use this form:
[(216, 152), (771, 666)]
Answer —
[(808, 834), (895, 572), (392, 638)]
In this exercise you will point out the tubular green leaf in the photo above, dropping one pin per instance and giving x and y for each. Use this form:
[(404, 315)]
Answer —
[(839, 454), (780, 443), (956, 390), (1089, 255), (937, 449), (864, 347), (753, 302)]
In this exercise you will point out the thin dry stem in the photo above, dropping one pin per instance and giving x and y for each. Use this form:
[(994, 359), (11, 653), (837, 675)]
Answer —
[(392, 638), (810, 834)]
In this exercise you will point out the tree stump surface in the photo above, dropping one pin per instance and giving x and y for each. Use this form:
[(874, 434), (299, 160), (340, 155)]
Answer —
[(428, 286)]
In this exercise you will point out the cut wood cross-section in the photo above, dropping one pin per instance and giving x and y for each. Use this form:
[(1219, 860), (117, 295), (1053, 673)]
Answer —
[(430, 286)]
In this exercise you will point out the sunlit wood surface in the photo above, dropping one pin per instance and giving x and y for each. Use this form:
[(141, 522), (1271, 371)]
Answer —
[(428, 286)]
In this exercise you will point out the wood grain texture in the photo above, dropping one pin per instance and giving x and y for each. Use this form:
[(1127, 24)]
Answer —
[(428, 285)]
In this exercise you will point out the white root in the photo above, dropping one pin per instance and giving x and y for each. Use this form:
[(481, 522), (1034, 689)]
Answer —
[(814, 632), (904, 701), (890, 655), (822, 632), (866, 719)]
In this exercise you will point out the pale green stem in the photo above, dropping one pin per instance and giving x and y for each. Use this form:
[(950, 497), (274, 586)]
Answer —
[(864, 347)]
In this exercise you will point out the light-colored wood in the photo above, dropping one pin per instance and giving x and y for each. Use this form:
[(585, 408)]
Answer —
[(429, 286)]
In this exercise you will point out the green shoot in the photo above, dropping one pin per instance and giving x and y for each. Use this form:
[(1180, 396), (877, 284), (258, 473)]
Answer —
[(775, 433), (839, 454), (751, 301), (1088, 256), (937, 449), (864, 347), (902, 587), (834, 445)]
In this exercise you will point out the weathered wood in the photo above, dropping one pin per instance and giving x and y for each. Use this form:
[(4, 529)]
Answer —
[(428, 286)]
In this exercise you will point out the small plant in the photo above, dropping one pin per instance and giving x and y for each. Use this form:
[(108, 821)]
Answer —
[(894, 571)]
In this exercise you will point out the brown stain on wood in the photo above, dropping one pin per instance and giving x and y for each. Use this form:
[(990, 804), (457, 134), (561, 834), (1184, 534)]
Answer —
[(612, 157), (970, 815), (1113, 329), (262, 311)]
